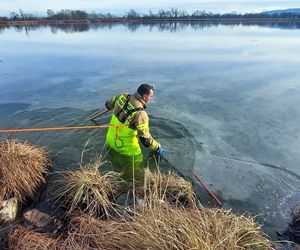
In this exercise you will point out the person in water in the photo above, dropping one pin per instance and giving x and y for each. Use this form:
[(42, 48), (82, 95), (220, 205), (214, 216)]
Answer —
[(129, 126)]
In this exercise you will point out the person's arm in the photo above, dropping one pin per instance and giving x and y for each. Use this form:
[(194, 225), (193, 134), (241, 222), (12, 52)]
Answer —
[(110, 103), (142, 126)]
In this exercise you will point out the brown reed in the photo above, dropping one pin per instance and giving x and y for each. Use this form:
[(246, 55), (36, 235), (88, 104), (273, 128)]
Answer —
[(169, 187), (22, 238), (88, 190), (22, 169)]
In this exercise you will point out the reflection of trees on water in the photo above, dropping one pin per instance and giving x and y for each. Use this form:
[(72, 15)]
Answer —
[(2, 28), (67, 28), (179, 26), (161, 26)]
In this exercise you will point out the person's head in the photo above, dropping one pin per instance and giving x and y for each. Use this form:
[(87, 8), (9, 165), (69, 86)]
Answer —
[(146, 91)]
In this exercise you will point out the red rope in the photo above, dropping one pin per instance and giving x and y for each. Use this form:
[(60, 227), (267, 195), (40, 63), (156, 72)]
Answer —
[(207, 190)]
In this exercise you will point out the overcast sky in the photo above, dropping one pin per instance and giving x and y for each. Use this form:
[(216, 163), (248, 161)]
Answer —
[(142, 6)]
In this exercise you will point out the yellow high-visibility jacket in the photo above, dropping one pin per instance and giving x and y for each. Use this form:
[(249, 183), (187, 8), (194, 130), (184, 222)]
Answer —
[(129, 122)]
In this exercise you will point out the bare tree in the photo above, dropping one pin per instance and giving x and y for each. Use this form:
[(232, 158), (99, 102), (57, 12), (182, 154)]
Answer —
[(22, 14), (132, 14), (14, 16), (50, 13), (174, 12)]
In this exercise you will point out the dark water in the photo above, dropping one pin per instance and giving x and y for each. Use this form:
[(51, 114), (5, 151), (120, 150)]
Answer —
[(226, 100)]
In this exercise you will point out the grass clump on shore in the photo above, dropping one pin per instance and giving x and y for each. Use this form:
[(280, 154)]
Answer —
[(88, 190), (158, 224), (86, 232), (22, 169), (154, 223), (22, 238), (163, 227), (169, 187)]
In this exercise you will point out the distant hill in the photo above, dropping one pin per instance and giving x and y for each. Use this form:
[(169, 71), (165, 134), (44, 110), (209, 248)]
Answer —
[(281, 12)]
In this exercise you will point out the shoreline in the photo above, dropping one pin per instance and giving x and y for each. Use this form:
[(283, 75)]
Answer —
[(146, 21)]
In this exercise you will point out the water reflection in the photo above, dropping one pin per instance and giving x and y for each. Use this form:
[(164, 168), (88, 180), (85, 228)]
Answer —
[(161, 26)]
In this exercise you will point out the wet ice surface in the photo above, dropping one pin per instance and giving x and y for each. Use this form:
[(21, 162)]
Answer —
[(270, 193), (244, 184), (226, 102), (249, 147)]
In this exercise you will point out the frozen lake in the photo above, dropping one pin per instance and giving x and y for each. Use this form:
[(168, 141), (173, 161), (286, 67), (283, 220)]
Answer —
[(226, 102)]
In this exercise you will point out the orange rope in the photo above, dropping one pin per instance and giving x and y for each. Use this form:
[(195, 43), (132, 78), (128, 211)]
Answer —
[(53, 129)]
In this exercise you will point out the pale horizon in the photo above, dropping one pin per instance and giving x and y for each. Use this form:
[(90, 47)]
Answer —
[(120, 7)]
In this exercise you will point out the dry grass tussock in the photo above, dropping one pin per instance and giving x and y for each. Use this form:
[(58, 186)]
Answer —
[(157, 224), (86, 232), (169, 187), (22, 169), (22, 238), (88, 190), (164, 227)]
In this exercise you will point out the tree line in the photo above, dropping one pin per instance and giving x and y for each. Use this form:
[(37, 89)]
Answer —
[(173, 13)]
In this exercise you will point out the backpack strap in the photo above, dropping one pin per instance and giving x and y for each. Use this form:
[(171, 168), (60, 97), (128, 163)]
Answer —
[(124, 106), (129, 112)]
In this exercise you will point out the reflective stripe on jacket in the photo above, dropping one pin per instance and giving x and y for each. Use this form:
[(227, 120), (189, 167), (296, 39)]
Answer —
[(129, 121)]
